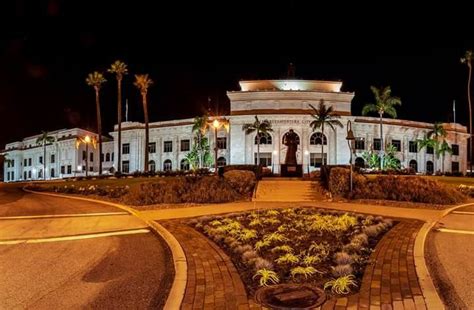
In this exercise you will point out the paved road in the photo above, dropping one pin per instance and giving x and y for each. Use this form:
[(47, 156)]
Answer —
[(59, 253), (450, 254)]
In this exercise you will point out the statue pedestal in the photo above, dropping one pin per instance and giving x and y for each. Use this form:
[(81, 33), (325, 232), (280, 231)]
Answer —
[(295, 171)]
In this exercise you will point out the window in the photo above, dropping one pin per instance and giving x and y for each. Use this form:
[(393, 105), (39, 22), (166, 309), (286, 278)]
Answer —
[(107, 157), (24, 175), (377, 146), (455, 148), (52, 173), (412, 147), (184, 165), (125, 166), (222, 143), (83, 168), (12, 162), (91, 156), (151, 166), (13, 175), (315, 159), (41, 159), (25, 162), (152, 147), (454, 166), (318, 138), (429, 167), (360, 144), (265, 138), (221, 162), (126, 148), (29, 161), (53, 158), (168, 146), (63, 169), (102, 157), (297, 138), (112, 156), (84, 155), (8, 176), (397, 144), (185, 146), (91, 168), (69, 169), (265, 159), (29, 174), (429, 150), (413, 165), (167, 165)]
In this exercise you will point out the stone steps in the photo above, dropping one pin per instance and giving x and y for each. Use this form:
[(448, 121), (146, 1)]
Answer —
[(288, 190)]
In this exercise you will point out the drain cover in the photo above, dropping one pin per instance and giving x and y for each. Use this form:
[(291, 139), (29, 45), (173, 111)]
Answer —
[(290, 296)]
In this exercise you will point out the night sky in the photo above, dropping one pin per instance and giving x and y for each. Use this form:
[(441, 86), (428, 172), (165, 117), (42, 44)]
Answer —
[(43, 70)]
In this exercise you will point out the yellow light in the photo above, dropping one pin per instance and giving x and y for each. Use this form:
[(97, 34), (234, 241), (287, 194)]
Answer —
[(87, 139), (215, 123)]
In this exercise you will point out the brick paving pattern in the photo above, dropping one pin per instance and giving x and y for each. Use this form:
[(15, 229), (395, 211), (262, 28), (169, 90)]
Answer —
[(389, 281)]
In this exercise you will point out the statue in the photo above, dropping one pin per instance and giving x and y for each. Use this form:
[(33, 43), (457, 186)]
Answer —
[(291, 142)]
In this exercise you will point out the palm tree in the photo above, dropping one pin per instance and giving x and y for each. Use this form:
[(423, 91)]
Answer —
[(143, 82), (433, 138), (324, 115), (96, 79), (442, 149), (200, 126), (119, 68), (262, 128), (384, 104), (467, 59), (43, 140)]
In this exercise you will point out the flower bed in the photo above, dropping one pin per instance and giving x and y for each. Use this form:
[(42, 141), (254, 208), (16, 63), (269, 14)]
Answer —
[(328, 249)]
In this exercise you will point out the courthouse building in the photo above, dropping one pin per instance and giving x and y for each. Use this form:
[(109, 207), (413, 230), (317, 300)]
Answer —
[(284, 103)]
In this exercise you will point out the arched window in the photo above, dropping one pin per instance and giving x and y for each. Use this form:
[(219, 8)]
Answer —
[(221, 162), (151, 166), (265, 138), (53, 173), (107, 157), (413, 165), (359, 162), (318, 138), (297, 138), (429, 167), (167, 165), (184, 165)]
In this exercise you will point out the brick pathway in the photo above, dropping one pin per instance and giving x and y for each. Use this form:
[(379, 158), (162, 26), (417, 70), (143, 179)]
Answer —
[(389, 281)]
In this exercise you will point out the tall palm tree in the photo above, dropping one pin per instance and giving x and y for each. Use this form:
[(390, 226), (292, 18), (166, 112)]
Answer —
[(262, 128), (96, 79), (43, 140), (384, 104), (200, 127), (143, 82), (119, 68), (467, 59), (435, 139), (442, 149), (324, 115)]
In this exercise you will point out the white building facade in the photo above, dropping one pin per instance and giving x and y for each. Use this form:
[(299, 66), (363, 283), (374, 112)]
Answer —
[(284, 103)]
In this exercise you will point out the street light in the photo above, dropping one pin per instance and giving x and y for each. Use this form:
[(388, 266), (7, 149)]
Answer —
[(350, 141), (217, 124), (86, 140)]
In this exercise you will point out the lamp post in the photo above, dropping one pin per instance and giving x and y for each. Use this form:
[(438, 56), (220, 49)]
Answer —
[(217, 124), (350, 141)]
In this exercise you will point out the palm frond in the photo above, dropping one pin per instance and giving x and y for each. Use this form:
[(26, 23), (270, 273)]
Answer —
[(390, 111), (95, 79), (143, 82), (368, 108)]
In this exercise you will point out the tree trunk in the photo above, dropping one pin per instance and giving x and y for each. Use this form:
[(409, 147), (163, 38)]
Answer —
[(470, 113), (119, 122), (87, 159), (322, 146), (382, 145), (258, 148), (145, 111), (99, 128), (44, 160)]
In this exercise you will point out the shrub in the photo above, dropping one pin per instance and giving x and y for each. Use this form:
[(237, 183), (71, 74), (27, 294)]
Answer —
[(261, 263), (243, 182), (341, 285), (342, 270), (266, 277), (256, 169), (249, 256), (243, 248), (342, 258)]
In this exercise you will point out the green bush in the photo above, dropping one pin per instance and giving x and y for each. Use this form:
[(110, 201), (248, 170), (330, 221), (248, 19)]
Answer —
[(393, 187), (243, 182)]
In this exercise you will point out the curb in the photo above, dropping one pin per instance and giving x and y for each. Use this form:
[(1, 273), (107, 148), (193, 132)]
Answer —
[(176, 293), (430, 294)]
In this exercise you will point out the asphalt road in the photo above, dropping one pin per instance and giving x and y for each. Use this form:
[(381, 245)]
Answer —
[(59, 253), (450, 256)]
